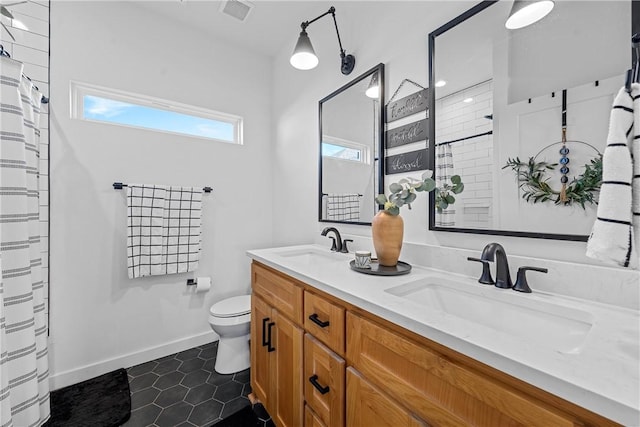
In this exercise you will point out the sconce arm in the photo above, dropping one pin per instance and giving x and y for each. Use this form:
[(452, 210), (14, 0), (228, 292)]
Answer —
[(332, 11)]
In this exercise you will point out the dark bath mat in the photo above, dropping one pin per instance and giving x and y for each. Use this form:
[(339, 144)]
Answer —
[(245, 417), (103, 401)]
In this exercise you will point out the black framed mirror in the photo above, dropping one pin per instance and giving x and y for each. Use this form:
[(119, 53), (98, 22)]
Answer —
[(496, 100), (350, 153)]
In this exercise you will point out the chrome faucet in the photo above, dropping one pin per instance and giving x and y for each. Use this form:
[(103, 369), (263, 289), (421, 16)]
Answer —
[(338, 244), (495, 251)]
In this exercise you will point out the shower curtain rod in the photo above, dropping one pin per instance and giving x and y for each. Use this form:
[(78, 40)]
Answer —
[(3, 52), (119, 185), (465, 138)]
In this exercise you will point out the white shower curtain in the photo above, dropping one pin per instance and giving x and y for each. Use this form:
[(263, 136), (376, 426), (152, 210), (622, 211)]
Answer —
[(444, 171), (24, 371)]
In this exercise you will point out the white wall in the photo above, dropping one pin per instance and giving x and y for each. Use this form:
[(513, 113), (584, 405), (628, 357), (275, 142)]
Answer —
[(100, 319), (394, 33)]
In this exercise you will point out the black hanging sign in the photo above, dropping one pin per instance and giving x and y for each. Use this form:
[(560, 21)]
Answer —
[(406, 162), (407, 106), (413, 132)]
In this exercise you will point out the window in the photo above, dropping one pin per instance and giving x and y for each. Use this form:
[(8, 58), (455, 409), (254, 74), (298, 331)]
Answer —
[(98, 104), (344, 150)]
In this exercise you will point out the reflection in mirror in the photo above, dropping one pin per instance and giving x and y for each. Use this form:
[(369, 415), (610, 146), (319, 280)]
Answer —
[(529, 170), (350, 143)]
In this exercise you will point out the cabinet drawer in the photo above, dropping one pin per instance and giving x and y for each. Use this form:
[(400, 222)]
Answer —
[(325, 321), (311, 419), (278, 290), (436, 387), (367, 406), (324, 382)]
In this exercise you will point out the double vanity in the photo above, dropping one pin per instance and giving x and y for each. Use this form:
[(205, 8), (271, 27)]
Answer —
[(333, 347)]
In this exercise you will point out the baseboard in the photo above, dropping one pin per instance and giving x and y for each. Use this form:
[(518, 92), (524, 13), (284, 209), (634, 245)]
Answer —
[(74, 376)]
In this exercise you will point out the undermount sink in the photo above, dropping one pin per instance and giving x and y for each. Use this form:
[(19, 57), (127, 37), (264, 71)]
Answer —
[(311, 255), (557, 327)]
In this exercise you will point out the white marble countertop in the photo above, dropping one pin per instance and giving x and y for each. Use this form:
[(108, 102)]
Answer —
[(602, 374)]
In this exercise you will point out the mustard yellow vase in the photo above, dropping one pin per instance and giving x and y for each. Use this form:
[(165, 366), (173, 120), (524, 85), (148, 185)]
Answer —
[(388, 231)]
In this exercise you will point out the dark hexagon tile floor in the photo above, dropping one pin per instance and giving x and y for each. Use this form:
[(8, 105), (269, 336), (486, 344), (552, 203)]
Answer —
[(184, 390)]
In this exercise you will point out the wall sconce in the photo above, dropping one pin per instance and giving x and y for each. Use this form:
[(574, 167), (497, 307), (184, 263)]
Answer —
[(525, 13), (373, 90), (304, 57)]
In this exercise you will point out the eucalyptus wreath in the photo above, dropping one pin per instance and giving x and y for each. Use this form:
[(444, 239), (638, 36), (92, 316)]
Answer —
[(534, 183)]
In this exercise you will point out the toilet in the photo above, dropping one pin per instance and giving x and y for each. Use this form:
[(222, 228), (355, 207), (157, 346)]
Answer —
[(231, 319)]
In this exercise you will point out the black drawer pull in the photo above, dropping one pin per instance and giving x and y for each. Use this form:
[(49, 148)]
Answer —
[(314, 319), (314, 381), (270, 348), (264, 331)]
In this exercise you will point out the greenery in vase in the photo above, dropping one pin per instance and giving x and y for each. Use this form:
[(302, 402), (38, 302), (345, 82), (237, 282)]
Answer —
[(404, 192)]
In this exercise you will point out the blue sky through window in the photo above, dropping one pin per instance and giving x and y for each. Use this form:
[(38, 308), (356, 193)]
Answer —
[(124, 113), (340, 152)]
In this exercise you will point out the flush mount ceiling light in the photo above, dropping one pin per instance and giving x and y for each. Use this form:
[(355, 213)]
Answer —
[(440, 83), (373, 91), (15, 22), (304, 57), (524, 12)]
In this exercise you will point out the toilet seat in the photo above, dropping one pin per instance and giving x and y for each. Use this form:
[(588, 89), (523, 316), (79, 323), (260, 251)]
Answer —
[(232, 307)]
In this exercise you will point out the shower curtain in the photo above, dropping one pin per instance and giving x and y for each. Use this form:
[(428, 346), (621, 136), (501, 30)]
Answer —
[(444, 171), (24, 372)]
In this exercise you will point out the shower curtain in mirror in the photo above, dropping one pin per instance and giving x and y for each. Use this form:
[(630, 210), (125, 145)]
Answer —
[(444, 171), (24, 371)]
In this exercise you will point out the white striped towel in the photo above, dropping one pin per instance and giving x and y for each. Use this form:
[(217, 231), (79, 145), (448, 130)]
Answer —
[(163, 229), (444, 172), (616, 231)]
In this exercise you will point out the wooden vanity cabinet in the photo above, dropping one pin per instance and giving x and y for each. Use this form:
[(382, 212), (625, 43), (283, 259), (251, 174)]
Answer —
[(276, 346), (438, 388), (368, 406), (324, 388), (325, 320), (311, 419), (377, 373)]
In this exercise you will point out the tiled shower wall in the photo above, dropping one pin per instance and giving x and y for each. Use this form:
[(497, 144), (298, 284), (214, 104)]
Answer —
[(31, 47), (472, 158)]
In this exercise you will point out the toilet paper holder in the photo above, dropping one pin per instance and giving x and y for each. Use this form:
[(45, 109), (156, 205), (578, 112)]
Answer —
[(191, 282)]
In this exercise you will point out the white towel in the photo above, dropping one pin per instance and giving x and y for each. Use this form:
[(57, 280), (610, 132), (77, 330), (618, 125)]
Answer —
[(163, 229), (616, 231)]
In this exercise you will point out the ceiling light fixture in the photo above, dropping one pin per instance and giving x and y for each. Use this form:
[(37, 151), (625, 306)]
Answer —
[(304, 57), (524, 12), (373, 91), (467, 100), (440, 83)]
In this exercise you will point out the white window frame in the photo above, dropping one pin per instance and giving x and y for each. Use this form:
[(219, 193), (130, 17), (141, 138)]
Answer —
[(365, 150), (79, 90)]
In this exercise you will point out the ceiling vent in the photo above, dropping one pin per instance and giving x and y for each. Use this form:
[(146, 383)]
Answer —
[(238, 9)]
